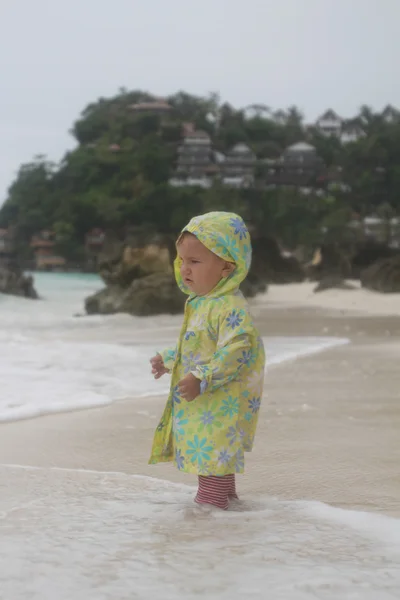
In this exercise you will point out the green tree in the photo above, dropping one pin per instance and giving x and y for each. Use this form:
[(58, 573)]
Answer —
[(118, 174)]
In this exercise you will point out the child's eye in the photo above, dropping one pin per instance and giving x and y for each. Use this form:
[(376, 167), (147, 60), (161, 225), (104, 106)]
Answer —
[(195, 262)]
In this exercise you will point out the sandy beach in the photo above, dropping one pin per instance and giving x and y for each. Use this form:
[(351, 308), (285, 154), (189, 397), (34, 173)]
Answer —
[(328, 431), (329, 427)]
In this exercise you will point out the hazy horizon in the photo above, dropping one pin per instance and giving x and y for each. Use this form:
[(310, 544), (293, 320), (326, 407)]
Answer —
[(317, 55)]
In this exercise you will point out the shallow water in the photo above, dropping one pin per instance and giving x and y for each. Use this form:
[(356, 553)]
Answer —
[(110, 536)]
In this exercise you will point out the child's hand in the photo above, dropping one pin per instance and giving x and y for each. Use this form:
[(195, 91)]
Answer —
[(157, 366), (189, 387)]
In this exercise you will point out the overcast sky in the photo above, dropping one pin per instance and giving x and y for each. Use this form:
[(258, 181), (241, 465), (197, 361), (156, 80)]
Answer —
[(56, 56)]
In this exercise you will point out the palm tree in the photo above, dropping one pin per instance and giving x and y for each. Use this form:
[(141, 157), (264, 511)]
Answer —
[(257, 110), (385, 213), (280, 117), (294, 117), (369, 120)]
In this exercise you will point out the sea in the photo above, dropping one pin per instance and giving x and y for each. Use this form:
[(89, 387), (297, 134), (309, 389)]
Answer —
[(96, 535), (53, 358)]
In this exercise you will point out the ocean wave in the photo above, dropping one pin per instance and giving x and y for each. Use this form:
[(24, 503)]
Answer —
[(51, 361), (113, 535)]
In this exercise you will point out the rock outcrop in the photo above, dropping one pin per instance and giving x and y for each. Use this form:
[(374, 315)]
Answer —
[(140, 281), (383, 276), (375, 264), (329, 267), (13, 281), (270, 265), (367, 253), (122, 263), (253, 285), (151, 295)]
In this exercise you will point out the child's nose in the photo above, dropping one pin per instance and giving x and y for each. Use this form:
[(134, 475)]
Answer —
[(185, 269)]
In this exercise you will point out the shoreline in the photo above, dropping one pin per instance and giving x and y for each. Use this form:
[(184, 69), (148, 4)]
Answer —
[(350, 302), (328, 430), (322, 345)]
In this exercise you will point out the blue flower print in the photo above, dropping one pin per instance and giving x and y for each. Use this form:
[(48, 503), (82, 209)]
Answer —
[(199, 449), (248, 416), (230, 407), (239, 466), (179, 459), (254, 405), (248, 254), (178, 423), (189, 334), (232, 435), (190, 361), (224, 456), (175, 395), (170, 355), (239, 227), (234, 319), (246, 357), (248, 442), (209, 419), (197, 302), (221, 354), (204, 469), (228, 247)]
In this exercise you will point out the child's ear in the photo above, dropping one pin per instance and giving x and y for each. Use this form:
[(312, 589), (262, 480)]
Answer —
[(228, 269)]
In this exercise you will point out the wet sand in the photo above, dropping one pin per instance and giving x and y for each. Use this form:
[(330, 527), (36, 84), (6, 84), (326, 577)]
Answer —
[(329, 428)]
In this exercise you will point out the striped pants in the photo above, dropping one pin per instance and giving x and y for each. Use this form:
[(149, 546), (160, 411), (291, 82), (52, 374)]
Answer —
[(216, 490)]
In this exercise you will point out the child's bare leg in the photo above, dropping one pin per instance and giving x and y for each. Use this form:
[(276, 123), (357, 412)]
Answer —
[(232, 494), (214, 490)]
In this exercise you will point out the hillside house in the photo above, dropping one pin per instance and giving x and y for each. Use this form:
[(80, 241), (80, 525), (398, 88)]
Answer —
[(46, 259), (154, 107), (7, 250), (195, 166), (329, 123), (94, 244), (299, 166), (237, 167)]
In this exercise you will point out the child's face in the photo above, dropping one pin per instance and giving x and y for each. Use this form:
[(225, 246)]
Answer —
[(201, 269)]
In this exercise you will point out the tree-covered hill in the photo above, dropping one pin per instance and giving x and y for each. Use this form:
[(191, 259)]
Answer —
[(119, 174)]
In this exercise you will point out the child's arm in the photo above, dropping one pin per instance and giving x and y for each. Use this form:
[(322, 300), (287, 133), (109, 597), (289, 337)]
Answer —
[(233, 351)]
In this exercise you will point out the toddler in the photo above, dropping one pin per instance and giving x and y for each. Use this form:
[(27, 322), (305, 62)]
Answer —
[(217, 366)]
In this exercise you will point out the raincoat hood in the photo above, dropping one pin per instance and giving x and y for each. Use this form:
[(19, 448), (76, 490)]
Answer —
[(227, 236)]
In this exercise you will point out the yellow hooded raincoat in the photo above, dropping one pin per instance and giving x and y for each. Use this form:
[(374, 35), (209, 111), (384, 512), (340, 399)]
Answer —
[(220, 345)]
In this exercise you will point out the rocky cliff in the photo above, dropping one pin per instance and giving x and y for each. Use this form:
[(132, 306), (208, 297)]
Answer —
[(139, 279), (13, 281)]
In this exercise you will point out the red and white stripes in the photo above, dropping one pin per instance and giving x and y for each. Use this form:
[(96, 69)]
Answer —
[(216, 490)]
